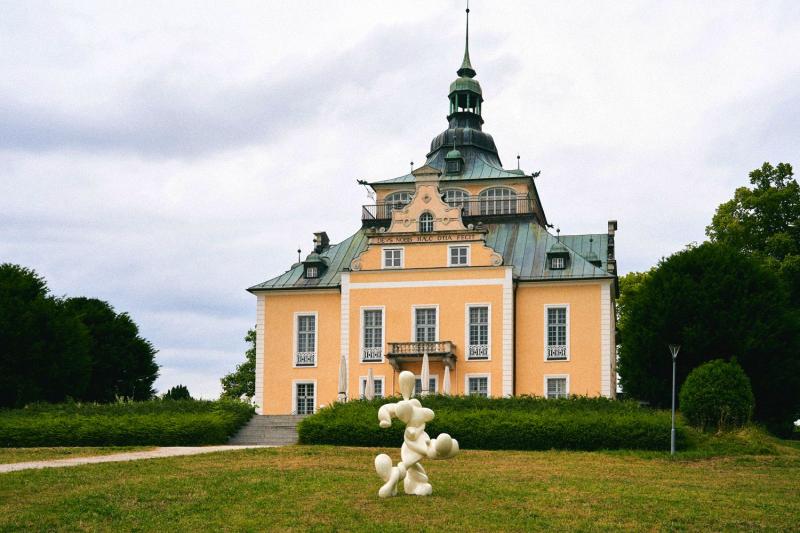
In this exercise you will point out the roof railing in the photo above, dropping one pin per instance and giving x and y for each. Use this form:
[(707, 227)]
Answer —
[(471, 207)]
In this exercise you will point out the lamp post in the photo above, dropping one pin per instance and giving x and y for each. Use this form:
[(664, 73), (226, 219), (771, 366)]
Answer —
[(673, 349)]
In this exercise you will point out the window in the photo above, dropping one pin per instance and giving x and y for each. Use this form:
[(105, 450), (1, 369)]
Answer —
[(478, 385), (372, 340), (392, 258), (306, 348), (478, 332), (378, 389), (431, 386), (454, 166), (425, 324), (458, 256), (556, 387), (312, 272), (426, 223), (557, 263), (457, 198), (398, 200), (557, 333), (498, 201), (304, 398)]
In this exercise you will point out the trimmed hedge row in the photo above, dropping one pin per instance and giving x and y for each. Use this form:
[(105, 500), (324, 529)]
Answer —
[(157, 423), (503, 424)]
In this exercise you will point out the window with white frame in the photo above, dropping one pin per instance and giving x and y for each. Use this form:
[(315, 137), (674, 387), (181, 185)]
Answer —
[(478, 385), (478, 332), (418, 386), (425, 324), (392, 258), (398, 199), (306, 354), (426, 223), (557, 331), (377, 387), (312, 272), (557, 263), (457, 198), (304, 395), (498, 201), (372, 349), (557, 387), (459, 256)]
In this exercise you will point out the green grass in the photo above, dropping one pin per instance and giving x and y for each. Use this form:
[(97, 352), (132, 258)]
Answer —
[(23, 455), (324, 488)]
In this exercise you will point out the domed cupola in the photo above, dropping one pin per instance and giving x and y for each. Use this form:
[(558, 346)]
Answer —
[(464, 133)]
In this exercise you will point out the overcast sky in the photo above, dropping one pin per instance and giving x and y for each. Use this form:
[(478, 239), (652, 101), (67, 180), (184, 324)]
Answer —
[(165, 156)]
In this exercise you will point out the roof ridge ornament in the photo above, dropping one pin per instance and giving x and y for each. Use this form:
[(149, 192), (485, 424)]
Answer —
[(466, 69)]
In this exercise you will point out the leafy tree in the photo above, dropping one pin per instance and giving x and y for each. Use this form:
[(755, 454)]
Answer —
[(717, 303), (44, 349), (178, 392), (765, 221), (717, 395), (242, 381), (123, 363)]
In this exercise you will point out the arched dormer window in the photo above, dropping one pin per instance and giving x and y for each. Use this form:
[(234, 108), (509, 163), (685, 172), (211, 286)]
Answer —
[(457, 198), (498, 201), (398, 199), (426, 223)]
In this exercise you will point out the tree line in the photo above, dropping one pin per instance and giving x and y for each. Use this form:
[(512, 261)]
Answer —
[(734, 297), (53, 349)]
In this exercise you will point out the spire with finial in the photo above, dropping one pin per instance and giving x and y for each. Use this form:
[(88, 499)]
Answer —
[(466, 69)]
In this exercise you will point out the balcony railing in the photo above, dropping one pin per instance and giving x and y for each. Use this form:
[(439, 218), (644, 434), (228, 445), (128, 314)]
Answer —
[(556, 353), (305, 358), (419, 348), (477, 351), (471, 207), (372, 354)]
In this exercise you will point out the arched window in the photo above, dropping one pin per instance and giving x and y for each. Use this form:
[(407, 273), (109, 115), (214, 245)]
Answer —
[(398, 199), (426, 223), (498, 201), (457, 198)]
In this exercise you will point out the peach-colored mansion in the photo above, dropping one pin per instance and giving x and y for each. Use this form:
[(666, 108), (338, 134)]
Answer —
[(454, 260)]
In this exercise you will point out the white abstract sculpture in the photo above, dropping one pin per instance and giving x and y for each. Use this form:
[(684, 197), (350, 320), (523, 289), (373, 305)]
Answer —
[(416, 444)]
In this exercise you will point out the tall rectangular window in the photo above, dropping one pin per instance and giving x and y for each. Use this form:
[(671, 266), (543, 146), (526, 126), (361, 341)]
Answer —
[(556, 349), (478, 386), (459, 256), (378, 387), (418, 386), (556, 387), (478, 330), (304, 398), (425, 324), (373, 335), (306, 340), (392, 258)]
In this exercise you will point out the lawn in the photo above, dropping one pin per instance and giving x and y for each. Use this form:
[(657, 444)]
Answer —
[(322, 488), (23, 455)]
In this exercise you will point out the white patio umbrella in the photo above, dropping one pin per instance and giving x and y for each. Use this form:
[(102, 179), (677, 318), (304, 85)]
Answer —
[(369, 388), (426, 374), (446, 383), (343, 379)]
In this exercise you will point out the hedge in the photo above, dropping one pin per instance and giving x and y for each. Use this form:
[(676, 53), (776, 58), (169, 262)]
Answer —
[(156, 423), (523, 423)]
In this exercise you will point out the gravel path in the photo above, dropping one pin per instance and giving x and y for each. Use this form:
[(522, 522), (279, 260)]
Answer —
[(171, 451)]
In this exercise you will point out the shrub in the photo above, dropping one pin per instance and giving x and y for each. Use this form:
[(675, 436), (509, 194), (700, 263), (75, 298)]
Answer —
[(518, 423), (717, 394), (157, 423)]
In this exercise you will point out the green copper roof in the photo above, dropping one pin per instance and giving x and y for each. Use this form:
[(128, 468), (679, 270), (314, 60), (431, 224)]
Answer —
[(466, 84), (476, 167), (522, 244)]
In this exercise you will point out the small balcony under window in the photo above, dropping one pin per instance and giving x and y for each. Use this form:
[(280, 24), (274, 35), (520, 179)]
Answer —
[(306, 358)]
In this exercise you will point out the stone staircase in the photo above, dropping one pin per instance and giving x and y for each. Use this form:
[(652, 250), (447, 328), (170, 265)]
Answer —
[(271, 430)]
